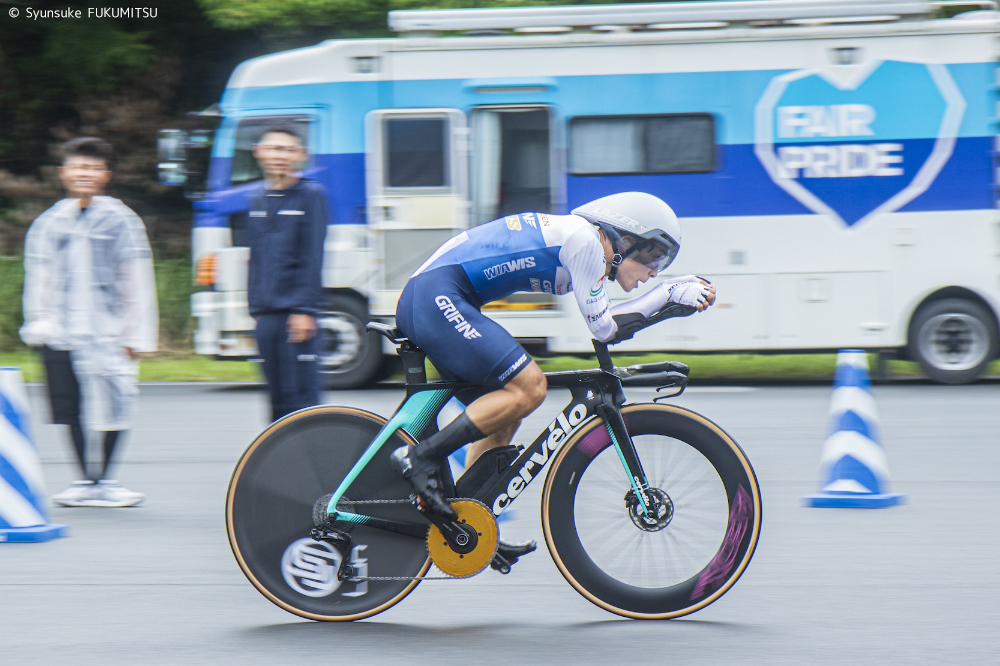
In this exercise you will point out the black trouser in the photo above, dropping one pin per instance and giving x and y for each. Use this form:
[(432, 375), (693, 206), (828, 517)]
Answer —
[(65, 400), (290, 368)]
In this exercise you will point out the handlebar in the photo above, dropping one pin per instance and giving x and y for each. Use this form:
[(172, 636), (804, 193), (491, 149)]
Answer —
[(629, 325), (672, 310), (664, 379)]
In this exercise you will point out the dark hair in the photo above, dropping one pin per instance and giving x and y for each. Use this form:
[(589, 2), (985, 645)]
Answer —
[(87, 146), (282, 128)]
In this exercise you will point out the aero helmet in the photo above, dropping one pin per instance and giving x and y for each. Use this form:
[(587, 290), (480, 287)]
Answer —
[(640, 227)]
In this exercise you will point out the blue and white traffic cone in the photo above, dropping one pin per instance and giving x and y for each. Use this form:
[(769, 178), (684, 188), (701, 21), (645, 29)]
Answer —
[(24, 514), (854, 470)]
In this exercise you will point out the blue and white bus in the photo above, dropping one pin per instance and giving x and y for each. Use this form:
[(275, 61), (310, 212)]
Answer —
[(832, 164)]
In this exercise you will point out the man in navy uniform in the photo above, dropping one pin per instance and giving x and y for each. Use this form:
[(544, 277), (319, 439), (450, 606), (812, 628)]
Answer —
[(286, 228)]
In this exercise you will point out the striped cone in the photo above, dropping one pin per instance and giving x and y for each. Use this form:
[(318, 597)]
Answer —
[(24, 512), (854, 470)]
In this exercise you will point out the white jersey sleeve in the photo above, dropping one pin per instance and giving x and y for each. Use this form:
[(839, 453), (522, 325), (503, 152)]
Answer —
[(583, 256)]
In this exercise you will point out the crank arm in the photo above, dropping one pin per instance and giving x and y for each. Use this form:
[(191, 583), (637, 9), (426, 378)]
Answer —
[(461, 537)]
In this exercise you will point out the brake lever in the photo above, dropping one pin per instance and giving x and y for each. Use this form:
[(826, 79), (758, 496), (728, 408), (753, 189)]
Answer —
[(672, 395)]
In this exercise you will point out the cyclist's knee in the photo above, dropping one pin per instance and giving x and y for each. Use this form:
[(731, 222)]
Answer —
[(532, 387)]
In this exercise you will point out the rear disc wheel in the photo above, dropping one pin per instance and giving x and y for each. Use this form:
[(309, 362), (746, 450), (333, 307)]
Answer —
[(274, 492)]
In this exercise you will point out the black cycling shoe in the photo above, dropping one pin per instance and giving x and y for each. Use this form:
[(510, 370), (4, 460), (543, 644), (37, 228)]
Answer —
[(508, 554), (424, 478)]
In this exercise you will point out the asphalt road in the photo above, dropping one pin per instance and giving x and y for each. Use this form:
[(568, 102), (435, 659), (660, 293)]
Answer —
[(916, 584)]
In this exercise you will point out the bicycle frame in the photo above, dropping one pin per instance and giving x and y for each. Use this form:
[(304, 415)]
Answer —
[(596, 392)]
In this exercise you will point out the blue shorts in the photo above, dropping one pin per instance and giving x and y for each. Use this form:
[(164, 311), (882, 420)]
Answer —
[(440, 312)]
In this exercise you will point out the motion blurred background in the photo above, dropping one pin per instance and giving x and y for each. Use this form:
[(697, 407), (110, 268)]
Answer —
[(125, 79)]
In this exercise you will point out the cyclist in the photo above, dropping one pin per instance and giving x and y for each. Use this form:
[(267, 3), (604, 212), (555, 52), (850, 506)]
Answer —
[(627, 237)]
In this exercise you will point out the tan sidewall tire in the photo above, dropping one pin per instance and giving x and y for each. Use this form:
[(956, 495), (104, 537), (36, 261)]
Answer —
[(234, 480), (596, 422)]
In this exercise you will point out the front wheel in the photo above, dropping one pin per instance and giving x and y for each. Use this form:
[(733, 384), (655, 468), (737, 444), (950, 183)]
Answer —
[(652, 568)]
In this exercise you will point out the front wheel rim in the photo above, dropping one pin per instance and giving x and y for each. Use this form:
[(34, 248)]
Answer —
[(954, 341), (586, 575)]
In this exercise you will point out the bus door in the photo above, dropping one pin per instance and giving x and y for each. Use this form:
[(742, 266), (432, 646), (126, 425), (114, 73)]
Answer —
[(416, 175), (515, 169)]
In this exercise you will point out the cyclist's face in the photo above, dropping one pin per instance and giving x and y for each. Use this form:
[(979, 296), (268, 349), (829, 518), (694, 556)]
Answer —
[(631, 273)]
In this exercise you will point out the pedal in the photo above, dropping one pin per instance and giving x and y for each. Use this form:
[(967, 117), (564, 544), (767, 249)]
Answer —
[(500, 564)]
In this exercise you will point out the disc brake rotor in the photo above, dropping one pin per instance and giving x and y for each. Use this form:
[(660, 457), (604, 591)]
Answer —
[(476, 515)]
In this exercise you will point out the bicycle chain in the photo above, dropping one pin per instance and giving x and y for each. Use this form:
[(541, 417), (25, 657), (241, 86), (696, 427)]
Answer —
[(399, 501)]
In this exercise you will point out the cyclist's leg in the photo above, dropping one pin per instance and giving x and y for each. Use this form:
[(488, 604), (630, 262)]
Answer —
[(498, 414), (498, 439), (437, 311), (501, 409)]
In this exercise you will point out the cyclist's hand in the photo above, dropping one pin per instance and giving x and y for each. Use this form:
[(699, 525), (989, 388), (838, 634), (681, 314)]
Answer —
[(699, 294)]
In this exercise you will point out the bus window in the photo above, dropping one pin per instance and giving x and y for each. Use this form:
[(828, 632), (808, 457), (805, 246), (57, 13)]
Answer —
[(416, 153), (245, 169), (671, 143), (680, 144)]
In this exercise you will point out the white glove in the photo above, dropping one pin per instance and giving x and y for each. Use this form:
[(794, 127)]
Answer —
[(685, 278), (693, 293)]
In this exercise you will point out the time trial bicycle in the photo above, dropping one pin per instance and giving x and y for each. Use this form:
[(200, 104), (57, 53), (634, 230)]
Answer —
[(649, 510)]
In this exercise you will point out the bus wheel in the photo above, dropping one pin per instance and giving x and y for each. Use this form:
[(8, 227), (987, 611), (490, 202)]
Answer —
[(349, 357), (953, 339)]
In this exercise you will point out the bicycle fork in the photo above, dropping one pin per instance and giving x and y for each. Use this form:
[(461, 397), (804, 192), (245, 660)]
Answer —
[(623, 444)]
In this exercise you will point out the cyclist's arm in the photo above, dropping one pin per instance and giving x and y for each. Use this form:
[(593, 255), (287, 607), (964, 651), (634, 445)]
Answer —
[(583, 256), (633, 315), (687, 290)]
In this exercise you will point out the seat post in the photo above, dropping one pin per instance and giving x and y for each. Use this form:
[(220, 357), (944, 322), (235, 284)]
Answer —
[(413, 363)]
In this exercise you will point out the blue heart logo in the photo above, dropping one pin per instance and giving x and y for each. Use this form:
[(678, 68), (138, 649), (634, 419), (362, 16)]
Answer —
[(854, 143)]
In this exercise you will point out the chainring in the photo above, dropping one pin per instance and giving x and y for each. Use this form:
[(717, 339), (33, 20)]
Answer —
[(476, 515)]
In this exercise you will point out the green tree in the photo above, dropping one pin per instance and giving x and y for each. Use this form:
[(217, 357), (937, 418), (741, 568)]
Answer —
[(348, 17), (121, 79)]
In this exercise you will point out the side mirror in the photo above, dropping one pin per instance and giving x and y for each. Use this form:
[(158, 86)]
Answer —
[(184, 158), (171, 150)]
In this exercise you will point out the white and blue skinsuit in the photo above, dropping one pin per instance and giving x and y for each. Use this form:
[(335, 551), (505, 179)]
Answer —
[(440, 307)]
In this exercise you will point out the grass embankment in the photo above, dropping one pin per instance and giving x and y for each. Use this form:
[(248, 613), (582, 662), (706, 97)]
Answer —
[(187, 367), (164, 367)]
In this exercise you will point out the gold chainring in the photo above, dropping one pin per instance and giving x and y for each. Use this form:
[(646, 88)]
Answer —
[(476, 515)]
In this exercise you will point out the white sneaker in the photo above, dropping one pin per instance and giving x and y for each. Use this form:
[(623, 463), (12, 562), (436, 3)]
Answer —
[(81, 493), (110, 493)]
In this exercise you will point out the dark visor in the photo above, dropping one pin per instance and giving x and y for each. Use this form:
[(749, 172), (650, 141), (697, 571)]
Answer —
[(654, 253)]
